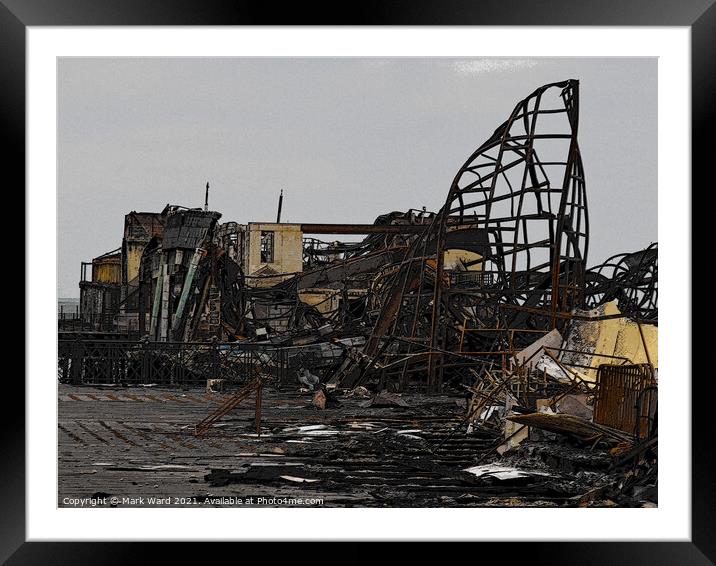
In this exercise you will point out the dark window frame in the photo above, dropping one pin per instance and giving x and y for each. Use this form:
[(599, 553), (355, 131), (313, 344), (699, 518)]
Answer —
[(267, 246)]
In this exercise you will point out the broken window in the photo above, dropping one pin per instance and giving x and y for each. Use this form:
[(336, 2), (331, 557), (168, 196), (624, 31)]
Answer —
[(266, 247)]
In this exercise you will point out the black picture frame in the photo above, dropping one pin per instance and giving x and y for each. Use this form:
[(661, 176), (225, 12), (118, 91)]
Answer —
[(699, 15)]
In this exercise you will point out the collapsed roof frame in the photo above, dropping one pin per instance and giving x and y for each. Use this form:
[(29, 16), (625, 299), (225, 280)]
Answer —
[(505, 187)]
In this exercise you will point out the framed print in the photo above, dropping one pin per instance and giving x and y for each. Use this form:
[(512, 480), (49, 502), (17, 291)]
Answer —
[(391, 279)]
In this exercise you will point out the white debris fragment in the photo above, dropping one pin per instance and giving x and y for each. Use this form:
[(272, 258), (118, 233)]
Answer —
[(298, 480), (503, 472)]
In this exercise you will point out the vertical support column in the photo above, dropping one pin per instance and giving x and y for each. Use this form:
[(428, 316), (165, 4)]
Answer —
[(164, 310), (435, 341), (259, 400), (215, 373), (157, 300), (142, 321), (188, 280), (145, 371)]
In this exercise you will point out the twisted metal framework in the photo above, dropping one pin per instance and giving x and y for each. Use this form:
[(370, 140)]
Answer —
[(452, 299), (518, 206), (631, 279)]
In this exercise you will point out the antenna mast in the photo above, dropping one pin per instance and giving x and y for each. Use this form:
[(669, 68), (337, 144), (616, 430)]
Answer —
[(280, 204)]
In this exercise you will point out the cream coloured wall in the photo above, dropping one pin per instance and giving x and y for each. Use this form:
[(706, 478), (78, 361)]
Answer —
[(288, 248)]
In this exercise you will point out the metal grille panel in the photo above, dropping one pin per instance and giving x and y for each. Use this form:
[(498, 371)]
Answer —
[(621, 396)]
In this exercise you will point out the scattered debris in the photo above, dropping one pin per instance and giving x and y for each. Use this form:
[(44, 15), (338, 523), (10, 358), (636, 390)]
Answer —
[(308, 379), (358, 391), (573, 425), (214, 385), (319, 400), (385, 399), (575, 405)]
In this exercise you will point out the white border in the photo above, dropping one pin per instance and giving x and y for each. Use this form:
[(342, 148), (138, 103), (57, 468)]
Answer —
[(671, 521)]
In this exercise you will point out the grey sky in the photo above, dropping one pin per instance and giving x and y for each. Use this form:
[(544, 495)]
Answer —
[(347, 139)]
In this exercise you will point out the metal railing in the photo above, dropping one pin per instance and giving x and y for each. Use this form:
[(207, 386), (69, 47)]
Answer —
[(122, 323), (94, 362), (68, 312)]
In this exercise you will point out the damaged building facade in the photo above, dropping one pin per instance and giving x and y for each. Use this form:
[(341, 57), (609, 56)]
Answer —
[(491, 297)]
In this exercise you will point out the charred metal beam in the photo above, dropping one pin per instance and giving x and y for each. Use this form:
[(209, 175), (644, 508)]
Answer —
[(362, 228)]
